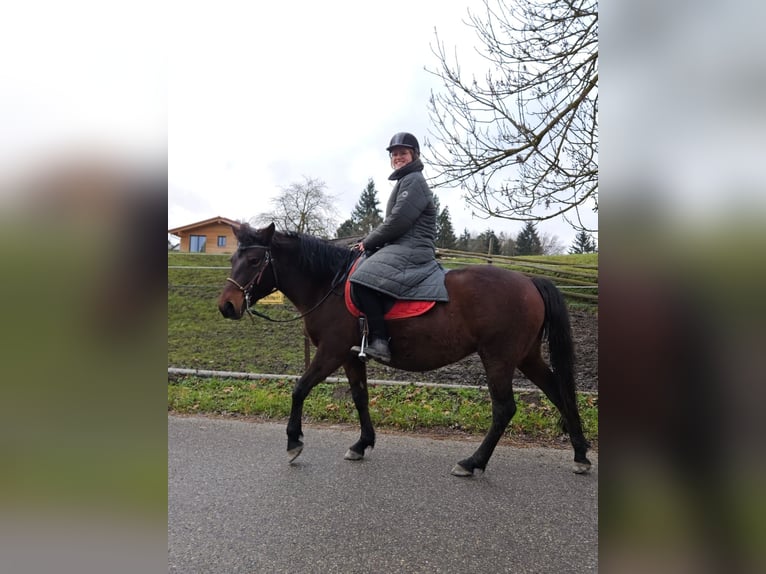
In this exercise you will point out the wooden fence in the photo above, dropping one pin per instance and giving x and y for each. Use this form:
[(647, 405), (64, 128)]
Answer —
[(574, 280)]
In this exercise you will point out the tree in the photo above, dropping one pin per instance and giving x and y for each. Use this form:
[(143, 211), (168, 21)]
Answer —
[(464, 241), (522, 142), (303, 207), (366, 215), (346, 229), (527, 241), (487, 242), (583, 243), (507, 244), (445, 235), (550, 244)]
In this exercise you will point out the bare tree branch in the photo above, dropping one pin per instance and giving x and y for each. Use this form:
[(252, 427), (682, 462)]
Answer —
[(522, 142)]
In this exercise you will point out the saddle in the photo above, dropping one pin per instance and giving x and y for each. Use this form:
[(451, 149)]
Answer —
[(402, 309)]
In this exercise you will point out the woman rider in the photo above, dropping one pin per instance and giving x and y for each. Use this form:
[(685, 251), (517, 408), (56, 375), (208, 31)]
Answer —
[(401, 261)]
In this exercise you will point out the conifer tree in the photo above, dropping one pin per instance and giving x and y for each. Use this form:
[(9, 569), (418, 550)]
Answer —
[(346, 229), (527, 241), (583, 243), (464, 242), (445, 235), (366, 215)]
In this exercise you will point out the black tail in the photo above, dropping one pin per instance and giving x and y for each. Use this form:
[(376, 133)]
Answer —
[(559, 333)]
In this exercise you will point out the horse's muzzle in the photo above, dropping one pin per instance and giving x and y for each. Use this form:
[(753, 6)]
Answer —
[(229, 311)]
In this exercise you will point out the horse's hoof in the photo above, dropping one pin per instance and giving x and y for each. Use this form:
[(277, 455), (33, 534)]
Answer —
[(581, 468), (293, 453), (458, 470), (352, 455)]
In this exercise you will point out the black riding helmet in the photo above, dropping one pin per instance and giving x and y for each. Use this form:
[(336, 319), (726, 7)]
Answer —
[(404, 139)]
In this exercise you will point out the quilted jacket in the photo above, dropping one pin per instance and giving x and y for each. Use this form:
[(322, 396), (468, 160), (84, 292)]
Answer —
[(401, 261)]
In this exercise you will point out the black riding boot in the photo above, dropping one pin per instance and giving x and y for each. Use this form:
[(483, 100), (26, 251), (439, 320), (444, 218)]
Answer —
[(378, 347), (373, 305)]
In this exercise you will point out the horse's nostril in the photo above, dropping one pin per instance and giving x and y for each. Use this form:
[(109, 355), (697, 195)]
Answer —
[(227, 310)]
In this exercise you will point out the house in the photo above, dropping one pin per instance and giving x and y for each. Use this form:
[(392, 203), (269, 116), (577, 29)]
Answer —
[(213, 235)]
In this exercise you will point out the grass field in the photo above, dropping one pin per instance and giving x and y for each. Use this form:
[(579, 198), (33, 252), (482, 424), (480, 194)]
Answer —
[(408, 408)]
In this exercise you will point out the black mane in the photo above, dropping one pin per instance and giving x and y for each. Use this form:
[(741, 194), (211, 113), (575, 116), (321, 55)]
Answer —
[(317, 257)]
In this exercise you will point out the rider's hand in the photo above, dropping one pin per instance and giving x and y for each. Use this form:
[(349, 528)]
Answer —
[(357, 246)]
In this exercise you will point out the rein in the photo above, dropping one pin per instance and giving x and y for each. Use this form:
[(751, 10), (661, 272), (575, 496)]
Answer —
[(269, 261)]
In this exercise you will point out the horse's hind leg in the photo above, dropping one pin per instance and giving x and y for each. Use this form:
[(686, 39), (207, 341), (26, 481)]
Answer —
[(535, 369), (356, 371), (500, 377)]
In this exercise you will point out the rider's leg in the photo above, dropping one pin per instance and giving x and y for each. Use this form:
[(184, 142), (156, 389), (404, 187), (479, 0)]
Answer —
[(374, 304)]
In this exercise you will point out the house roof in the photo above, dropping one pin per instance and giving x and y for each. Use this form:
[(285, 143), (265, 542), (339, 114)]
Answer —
[(217, 219)]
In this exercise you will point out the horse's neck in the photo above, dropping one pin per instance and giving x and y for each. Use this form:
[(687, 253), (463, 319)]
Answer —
[(296, 285)]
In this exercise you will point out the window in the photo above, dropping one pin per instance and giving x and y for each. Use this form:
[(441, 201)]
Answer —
[(221, 241), (197, 243)]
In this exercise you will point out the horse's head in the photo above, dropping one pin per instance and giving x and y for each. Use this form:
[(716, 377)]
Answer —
[(252, 274)]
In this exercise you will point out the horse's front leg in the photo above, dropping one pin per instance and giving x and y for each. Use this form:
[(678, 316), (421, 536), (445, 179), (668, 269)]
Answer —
[(356, 372), (319, 368)]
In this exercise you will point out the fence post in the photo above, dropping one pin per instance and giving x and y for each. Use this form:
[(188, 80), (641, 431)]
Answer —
[(489, 251)]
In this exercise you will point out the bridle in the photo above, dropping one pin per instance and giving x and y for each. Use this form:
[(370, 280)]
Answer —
[(256, 280), (258, 273), (268, 261)]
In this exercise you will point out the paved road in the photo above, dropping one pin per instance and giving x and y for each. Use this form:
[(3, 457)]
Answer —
[(235, 505)]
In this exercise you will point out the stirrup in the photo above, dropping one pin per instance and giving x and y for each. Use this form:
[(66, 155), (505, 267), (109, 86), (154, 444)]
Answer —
[(361, 348)]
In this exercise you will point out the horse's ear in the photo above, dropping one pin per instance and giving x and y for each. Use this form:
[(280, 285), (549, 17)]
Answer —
[(268, 233), (239, 230)]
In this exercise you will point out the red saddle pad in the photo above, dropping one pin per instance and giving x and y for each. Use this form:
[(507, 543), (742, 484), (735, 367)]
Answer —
[(401, 309)]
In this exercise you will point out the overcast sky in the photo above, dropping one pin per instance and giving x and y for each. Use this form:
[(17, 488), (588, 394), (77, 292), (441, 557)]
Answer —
[(245, 98), (261, 98)]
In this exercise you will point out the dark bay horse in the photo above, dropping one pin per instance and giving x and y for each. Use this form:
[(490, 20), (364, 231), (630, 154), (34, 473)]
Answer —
[(500, 314)]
